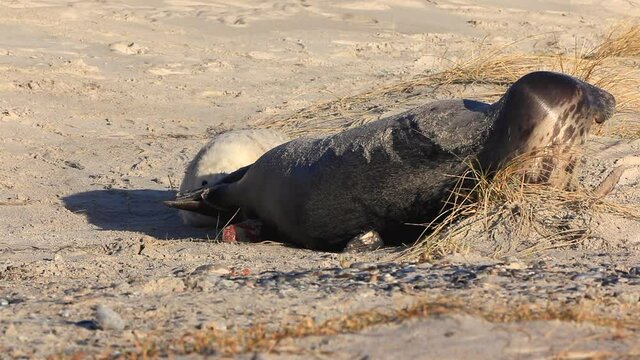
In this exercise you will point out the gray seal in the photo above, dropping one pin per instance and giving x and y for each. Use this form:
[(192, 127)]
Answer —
[(321, 192)]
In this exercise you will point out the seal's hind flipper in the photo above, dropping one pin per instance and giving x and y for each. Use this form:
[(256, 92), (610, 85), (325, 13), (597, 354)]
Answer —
[(207, 201), (188, 205), (191, 201)]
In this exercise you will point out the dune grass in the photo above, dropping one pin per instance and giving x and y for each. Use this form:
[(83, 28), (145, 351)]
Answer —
[(549, 216), (524, 217), (609, 64)]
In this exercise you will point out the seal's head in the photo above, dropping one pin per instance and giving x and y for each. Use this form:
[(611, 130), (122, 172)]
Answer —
[(544, 109)]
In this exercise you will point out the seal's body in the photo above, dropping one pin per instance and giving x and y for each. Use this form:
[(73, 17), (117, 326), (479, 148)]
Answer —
[(223, 154), (320, 193)]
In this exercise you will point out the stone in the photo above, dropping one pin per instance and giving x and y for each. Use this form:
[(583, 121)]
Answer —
[(107, 319)]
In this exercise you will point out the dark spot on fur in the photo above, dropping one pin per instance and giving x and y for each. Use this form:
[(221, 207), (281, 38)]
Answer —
[(570, 167), (204, 183), (547, 167), (525, 131), (580, 107), (556, 130), (568, 133)]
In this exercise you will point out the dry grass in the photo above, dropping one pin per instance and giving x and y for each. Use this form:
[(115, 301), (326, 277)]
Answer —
[(260, 338), (522, 217), (610, 64), (547, 216)]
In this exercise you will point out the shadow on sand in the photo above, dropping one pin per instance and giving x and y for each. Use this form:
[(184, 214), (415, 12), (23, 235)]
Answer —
[(134, 210)]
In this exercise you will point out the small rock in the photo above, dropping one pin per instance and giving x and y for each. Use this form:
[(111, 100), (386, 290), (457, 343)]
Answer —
[(4, 302), (211, 269), (584, 277), (387, 277), (107, 319), (365, 242), (226, 284), (362, 266), (515, 265)]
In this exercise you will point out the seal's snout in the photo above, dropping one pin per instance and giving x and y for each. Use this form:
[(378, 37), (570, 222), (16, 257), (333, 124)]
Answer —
[(604, 104)]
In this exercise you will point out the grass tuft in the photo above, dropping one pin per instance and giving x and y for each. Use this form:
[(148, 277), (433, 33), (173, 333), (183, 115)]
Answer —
[(610, 64), (520, 216)]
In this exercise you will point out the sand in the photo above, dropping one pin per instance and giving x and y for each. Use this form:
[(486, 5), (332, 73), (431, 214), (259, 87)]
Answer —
[(103, 104)]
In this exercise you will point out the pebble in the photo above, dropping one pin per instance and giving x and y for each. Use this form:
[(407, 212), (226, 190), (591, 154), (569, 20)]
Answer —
[(362, 266), (387, 277), (227, 284), (107, 319), (635, 271), (4, 302), (210, 269), (366, 242), (515, 265)]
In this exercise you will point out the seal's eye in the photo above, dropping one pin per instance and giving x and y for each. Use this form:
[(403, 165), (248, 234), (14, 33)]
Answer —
[(204, 182)]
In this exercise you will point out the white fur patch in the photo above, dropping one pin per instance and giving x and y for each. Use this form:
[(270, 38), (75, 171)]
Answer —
[(225, 153)]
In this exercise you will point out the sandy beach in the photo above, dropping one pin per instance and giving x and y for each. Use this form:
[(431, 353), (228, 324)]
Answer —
[(104, 103)]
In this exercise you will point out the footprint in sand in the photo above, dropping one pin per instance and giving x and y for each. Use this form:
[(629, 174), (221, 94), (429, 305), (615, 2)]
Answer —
[(169, 69), (128, 48), (206, 66), (233, 20)]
